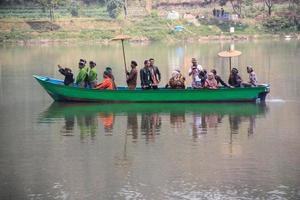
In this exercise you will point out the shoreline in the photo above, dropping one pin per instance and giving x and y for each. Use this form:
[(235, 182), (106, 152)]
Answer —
[(144, 40)]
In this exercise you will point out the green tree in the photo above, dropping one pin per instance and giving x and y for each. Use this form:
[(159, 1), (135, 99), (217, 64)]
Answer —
[(114, 7), (51, 5)]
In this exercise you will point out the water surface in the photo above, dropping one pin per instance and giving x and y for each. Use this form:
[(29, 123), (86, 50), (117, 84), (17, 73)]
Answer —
[(149, 151)]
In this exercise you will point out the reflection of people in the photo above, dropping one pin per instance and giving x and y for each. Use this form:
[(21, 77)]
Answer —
[(108, 122), (69, 125), (150, 124), (132, 124), (234, 122), (177, 119), (87, 125), (199, 125)]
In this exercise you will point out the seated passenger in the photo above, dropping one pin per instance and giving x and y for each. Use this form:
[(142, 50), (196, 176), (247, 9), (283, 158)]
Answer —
[(176, 81), (82, 74), (67, 73), (111, 76), (211, 82), (92, 75), (218, 78), (131, 76), (107, 83), (234, 79), (252, 76)]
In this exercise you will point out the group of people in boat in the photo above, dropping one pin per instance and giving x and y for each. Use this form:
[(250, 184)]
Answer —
[(150, 77)]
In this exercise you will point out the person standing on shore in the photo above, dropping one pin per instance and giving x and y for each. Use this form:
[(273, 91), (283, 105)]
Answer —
[(131, 76), (155, 74)]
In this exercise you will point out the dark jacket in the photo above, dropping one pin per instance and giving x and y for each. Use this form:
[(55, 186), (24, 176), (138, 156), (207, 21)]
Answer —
[(219, 80), (68, 76), (145, 76), (132, 77), (235, 80), (157, 73)]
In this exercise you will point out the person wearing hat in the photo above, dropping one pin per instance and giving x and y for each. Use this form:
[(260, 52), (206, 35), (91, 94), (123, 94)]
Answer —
[(131, 76), (234, 79), (107, 83), (92, 75), (194, 71), (82, 74), (67, 72)]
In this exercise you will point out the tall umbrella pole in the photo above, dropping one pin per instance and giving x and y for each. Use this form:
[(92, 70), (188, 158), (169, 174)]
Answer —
[(124, 56), (230, 64)]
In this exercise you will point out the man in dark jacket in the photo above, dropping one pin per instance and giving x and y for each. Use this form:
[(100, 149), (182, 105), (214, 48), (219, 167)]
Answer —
[(145, 75), (132, 76), (155, 74)]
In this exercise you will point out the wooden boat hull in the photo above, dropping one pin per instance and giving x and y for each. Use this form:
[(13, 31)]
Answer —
[(59, 92)]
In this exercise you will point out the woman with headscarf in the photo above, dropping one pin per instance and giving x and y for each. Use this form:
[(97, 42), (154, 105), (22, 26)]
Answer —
[(210, 82)]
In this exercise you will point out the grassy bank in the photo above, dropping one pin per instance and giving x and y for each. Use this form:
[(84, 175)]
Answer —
[(32, 25)]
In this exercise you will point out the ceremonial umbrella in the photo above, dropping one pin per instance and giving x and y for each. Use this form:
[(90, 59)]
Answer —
[(122, 38), (229, 54)]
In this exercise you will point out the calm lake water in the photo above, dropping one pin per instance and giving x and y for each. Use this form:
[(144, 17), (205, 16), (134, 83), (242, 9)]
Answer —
[(149, 151)]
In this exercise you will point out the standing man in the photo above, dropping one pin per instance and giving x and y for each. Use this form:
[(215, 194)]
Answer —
[(194, 71), (155, 74), (132, 76), (145, 75)]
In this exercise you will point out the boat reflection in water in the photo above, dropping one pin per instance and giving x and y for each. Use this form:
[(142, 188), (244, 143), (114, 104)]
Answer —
[(197, 119)]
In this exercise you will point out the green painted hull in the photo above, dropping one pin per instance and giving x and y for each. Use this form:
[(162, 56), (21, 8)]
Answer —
[(60, 92)]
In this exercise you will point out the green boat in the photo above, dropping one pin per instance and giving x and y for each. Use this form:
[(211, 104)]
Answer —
[(59, 92)]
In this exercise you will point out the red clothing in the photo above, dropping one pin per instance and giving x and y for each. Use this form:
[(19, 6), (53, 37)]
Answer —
[(211, 84), (107, 84)]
